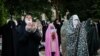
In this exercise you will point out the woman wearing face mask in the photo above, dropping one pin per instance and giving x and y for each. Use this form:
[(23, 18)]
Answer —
[(72, 33), (51, 46)]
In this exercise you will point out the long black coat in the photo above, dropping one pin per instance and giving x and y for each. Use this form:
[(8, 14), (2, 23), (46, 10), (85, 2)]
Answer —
[(98, 25), (28, 43), (8, 35), (92, 38), (58, 27), (45, 26)]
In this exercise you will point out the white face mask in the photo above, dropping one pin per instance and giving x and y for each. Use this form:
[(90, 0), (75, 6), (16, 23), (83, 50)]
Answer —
[(75, 20), (27, 21)]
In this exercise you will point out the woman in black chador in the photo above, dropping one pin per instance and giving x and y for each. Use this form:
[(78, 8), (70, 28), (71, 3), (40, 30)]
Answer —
[(29, 38), (8, 35)]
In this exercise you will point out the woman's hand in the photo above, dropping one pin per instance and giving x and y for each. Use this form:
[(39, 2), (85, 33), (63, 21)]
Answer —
[(28, 27), (53, 35)]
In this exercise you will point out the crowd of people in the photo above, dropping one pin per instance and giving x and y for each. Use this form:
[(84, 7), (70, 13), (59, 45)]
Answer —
[(23, 37)]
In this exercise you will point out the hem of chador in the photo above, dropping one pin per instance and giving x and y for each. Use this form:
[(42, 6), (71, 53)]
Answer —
[(53, 53)]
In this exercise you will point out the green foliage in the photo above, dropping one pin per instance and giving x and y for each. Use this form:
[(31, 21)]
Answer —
[(36, 7), (3, 13), (84, 8)]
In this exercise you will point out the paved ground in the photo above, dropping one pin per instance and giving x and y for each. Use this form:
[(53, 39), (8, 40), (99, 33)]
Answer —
[(42, 53)]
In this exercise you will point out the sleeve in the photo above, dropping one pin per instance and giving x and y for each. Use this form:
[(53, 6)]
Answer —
[(37, 36)]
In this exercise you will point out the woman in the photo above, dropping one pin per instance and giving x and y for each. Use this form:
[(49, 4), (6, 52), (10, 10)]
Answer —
[(72, 35), (28, 38), (63, 38), (51, 46)]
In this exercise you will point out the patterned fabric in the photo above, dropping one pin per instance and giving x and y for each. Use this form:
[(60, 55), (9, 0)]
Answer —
[(82, 43), (72, 35), (63, 38)]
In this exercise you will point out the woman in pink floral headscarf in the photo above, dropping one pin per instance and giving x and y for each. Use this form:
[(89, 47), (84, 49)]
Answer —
[(51, 46)]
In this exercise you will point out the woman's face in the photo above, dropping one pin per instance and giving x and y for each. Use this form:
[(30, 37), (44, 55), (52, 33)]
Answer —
[(28, 19), (51, 27), (75, 20)]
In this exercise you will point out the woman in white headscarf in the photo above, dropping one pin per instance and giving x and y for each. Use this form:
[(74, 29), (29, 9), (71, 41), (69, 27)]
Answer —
[(72, 33)]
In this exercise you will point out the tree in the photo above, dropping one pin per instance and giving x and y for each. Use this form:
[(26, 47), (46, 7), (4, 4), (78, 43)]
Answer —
[(3, 13), (84, 8), (34, 6)]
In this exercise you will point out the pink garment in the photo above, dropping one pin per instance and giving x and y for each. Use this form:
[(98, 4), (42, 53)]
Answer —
[(53, 46), (48, 40)]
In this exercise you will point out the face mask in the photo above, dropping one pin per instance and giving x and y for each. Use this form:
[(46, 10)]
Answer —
[(75, 21)]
